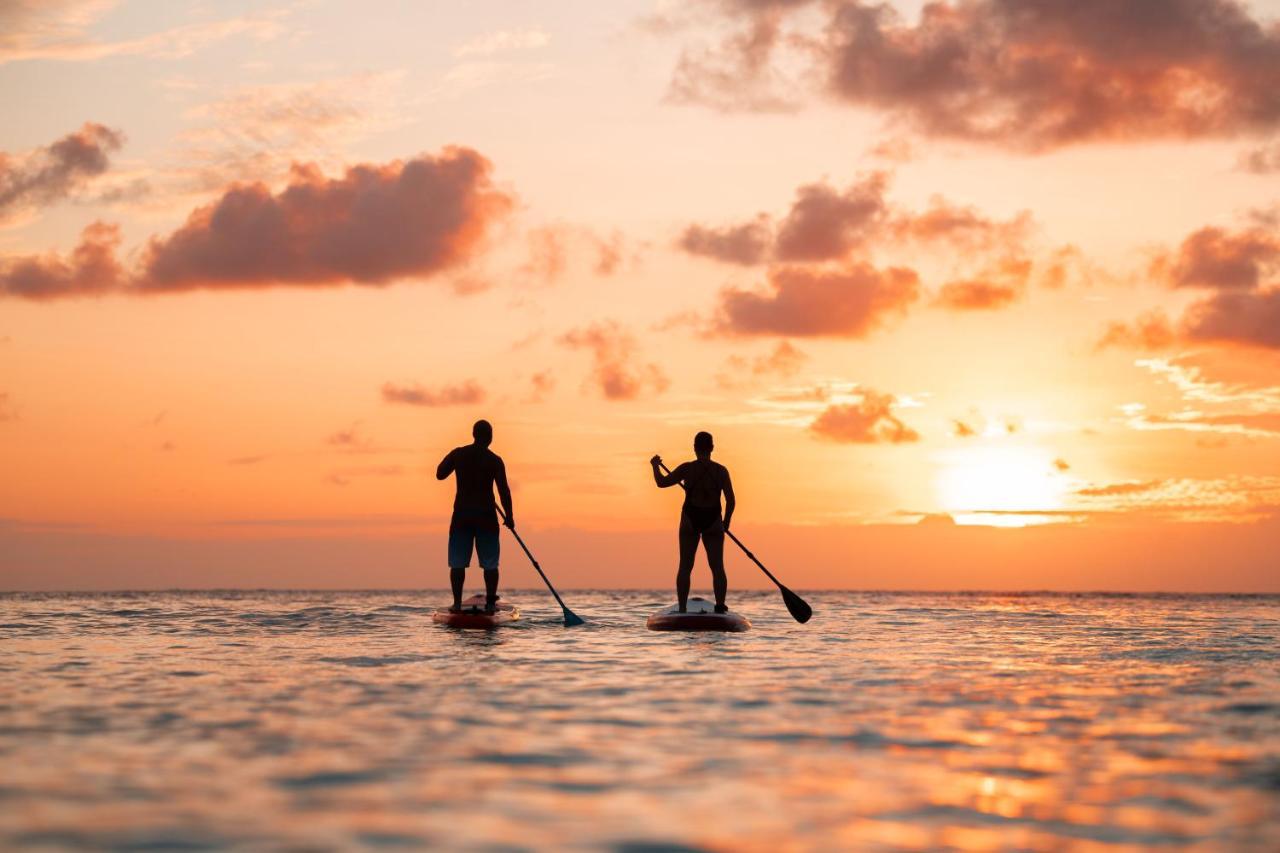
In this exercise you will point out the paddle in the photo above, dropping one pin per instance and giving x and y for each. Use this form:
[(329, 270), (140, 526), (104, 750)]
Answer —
[(797, 606), (570, 618)]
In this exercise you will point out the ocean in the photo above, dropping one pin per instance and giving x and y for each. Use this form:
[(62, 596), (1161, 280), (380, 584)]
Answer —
[(892, 721)]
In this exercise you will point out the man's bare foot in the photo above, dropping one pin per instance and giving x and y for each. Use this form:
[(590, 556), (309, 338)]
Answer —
[(722, 608), (455, 608)]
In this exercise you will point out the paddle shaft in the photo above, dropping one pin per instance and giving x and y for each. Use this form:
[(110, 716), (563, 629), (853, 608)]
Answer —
[(736, 540), (529, 554)]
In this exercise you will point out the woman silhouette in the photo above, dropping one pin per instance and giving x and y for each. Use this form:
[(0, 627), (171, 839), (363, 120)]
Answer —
[(703, 481)]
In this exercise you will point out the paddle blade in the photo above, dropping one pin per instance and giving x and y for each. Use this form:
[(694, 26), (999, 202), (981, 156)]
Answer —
[(571, 619), (798, 607)]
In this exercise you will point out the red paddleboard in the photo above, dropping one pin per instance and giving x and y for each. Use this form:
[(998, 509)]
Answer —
[(474, 616), (700, 616)]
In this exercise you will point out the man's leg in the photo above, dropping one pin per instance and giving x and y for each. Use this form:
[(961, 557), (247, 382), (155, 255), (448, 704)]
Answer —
[(490, 589), (459, 559), (713, 542), (487, 551), (457, 580), (688, 548)]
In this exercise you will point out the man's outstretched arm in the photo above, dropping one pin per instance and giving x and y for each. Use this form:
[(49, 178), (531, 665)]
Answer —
[(504, 495), (445, 468)]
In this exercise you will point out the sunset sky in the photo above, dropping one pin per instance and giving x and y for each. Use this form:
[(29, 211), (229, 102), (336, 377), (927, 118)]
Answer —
[(979, 295)]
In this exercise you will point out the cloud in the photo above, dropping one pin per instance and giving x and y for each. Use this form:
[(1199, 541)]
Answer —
[(8, 411), (738, 73), (850, 301), (1237, 499), (614, 354), (826, 224), (962, 429), (963, 227), (1151, 331), (1127, 488), (92, 269), (784, 360), (57, 30), (1250, 318), (464, 394), (976, 295), (58, 170), (868, 421), (548, 254), (1241, 308), (1215, 258), (373, 225), (1210, 405), (1263, 160), (1027, 75), (1061, 465), (543, 383), (746, 244), (551, 248)]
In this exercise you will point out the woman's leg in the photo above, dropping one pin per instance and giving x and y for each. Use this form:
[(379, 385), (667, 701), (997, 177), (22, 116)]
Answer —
[(713, 542), (688, 548)]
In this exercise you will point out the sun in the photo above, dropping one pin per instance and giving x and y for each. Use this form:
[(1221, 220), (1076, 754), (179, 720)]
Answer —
[(1002, 486)]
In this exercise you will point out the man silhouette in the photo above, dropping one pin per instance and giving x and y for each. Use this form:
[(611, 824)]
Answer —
[(704, 481), (475, 523)]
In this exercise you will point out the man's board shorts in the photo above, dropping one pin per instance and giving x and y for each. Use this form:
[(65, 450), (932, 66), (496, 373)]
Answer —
[(461, 539)]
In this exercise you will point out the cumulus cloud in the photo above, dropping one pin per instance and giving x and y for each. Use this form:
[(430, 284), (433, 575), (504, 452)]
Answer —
[(373, 225), (1031, 75), (850, 301), (463, 394), (1213, 257), (616, 369), (825, 224), (1242, 306), (1250, 318), (58, 170), (92, 270), (871, 420), (746, 244)]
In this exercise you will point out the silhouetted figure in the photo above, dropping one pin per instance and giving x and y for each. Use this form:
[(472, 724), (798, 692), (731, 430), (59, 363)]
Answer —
[(475, 522), (703, 480)]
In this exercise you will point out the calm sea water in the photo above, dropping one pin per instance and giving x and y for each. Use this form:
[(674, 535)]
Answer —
[(317, 721)]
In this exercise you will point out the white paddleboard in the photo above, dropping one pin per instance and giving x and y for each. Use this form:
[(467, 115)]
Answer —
[(700, 615)]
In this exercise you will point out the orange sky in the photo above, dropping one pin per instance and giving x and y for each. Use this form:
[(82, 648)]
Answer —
[(261, 267)]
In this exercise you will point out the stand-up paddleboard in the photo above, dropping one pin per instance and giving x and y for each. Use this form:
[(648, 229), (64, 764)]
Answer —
[(474, 616), (700, 615)]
